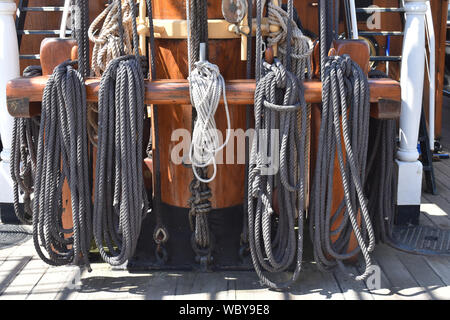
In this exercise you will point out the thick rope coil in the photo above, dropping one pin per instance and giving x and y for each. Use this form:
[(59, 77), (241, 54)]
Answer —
[(276, 231), (23, 157), (62, 155), (120, 198), (107, 41), (207, 86), (344, 85), (279, 103)]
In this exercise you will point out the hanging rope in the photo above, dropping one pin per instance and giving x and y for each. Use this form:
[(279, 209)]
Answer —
[(62, 155), (120, 200), (107, 41), (206, 88), (382, 184), (23, 157), (80, 25), (244, 249), (301, 46), (279, 105), (344, 85)]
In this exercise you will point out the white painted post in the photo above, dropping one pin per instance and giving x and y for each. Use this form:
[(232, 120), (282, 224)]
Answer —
[(431, 72), (355, 33), (9, 69), (412, 80)]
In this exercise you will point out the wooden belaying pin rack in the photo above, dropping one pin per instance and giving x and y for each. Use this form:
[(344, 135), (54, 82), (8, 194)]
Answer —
[(217, 29), (22, 92)]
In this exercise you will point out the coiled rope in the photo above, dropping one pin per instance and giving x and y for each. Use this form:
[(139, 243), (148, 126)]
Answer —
[(62, 155), (120, 200), (107, 41), (23, 157), (279, 105), (344, 85), (346, 112), (301, 45), (207, 86)]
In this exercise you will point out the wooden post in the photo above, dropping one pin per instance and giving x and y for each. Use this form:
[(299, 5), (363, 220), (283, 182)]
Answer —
[(9, 69)]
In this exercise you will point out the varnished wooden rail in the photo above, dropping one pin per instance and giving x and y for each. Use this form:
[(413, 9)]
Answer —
[(22, 91)]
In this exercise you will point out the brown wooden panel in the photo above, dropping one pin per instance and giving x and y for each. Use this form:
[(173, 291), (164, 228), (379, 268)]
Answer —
[(171, 63)]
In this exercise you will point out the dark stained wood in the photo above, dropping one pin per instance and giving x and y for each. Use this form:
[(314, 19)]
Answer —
[(55, 51), (386, 109), (357, 49), (439, 10)]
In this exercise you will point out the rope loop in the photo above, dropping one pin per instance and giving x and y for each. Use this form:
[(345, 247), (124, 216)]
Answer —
[(207, 87)]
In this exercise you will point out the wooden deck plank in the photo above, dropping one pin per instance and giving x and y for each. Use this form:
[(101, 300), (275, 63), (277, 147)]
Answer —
[(425, 276), (202, 286), (51, 284), (384, 292), (403, 284), (248, 287), (26, 280), (442, 168), (434, 213), (14, 263), (315, 284), (441, 266), (442, 219), (352, 289), (162, 286)]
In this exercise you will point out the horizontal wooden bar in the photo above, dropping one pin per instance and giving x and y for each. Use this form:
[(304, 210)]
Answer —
[(176, 92)]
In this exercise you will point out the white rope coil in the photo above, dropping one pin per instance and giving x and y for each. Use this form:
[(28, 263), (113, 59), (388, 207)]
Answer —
[(207, 86), (107, 44)]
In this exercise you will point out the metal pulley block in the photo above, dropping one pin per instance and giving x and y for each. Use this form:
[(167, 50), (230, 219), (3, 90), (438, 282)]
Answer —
[(234, 11)]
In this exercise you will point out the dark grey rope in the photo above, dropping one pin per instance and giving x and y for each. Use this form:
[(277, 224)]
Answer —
[(80, 26), (383, 178), (23, 157), (62, 154), (344, 85), (120, 199), (200, 206), (279, 105)]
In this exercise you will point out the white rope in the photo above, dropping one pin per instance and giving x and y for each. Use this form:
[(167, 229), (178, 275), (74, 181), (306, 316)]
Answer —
[(207, 86), (107, 43)]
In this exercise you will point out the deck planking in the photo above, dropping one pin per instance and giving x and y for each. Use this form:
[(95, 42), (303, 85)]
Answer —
[(403, 276)]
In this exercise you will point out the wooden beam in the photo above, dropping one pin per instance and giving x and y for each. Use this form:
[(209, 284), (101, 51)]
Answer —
[(161, 92)]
